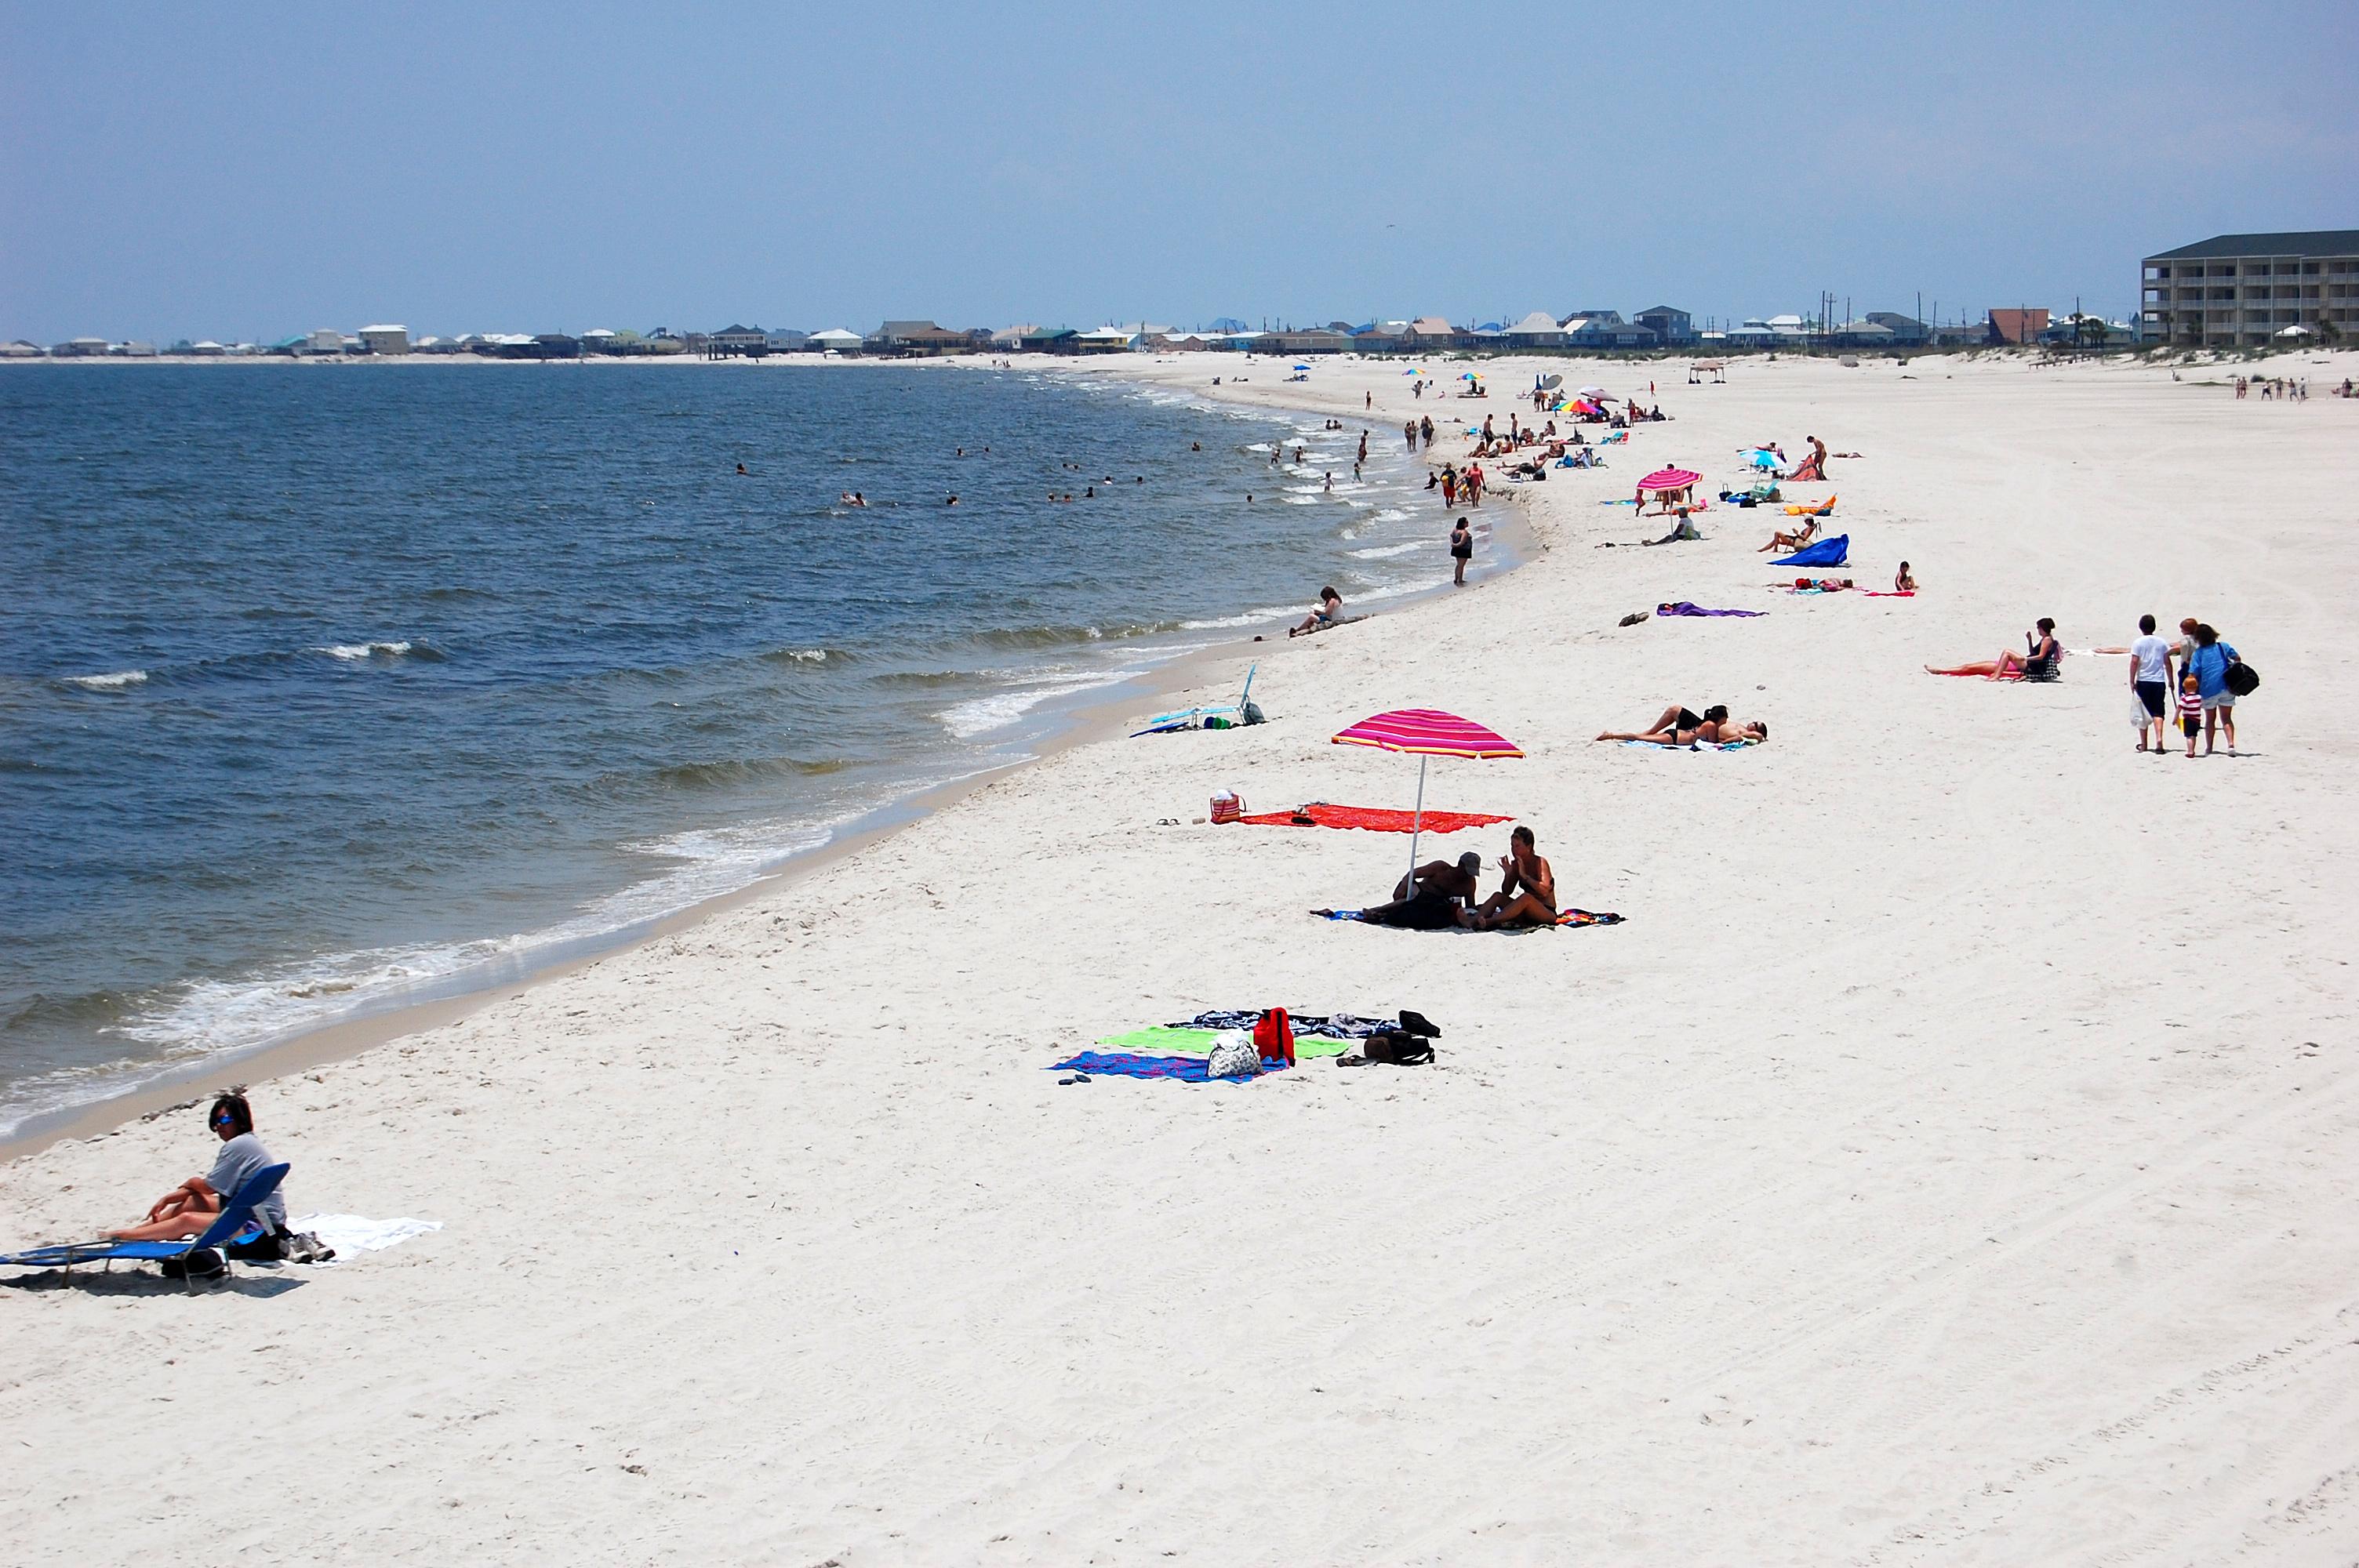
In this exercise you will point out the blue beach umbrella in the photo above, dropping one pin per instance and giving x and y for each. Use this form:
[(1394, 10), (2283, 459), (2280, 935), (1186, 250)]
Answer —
[(1302, 367)]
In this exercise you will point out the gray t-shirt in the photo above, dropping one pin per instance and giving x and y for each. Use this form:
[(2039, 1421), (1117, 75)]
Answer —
[(239, 1159)]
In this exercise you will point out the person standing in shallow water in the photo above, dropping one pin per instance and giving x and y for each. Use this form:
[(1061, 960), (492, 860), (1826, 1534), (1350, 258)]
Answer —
[(1461, 548)]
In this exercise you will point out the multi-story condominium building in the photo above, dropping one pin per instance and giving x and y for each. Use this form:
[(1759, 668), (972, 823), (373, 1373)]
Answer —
[(2240, 290)]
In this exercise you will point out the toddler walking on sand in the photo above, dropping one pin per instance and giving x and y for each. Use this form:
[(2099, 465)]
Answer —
[(2191, 711)]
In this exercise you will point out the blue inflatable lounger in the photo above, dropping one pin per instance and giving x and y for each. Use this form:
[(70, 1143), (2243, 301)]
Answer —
[(1825, 553)]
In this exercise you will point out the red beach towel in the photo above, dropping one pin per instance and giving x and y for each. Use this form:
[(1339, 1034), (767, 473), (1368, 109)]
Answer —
[(1375, 820)]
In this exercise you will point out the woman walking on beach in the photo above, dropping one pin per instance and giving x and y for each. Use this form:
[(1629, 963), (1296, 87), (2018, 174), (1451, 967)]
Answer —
[(2209, 664), (1461, 548)]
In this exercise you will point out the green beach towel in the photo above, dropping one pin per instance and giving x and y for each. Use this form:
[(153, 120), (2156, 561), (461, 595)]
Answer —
[(1160, 1041)]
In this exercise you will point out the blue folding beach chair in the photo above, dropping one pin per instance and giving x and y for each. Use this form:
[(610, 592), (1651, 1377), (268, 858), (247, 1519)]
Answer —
[(1193, 718), (232, 1223)]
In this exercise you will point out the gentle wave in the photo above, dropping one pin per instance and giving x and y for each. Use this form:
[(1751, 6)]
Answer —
[(353, 651), (114, 682), (983, 714), (1384, 552)]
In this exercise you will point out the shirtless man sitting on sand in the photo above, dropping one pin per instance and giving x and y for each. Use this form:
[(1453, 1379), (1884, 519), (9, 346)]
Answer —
[(1526, 897), (1679, 727), (1442, 891)]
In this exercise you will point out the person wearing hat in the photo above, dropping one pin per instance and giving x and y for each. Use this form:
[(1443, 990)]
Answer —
[(190, 1207), (1442, 890)]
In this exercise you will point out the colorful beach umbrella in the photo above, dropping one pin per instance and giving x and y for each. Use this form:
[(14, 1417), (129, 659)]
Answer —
[(1669, 479), (1427, 733)]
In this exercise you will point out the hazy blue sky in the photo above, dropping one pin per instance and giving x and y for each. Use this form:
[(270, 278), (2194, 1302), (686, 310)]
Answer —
[(250, 171)]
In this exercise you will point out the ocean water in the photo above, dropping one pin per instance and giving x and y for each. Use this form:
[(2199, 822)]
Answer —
[(324, 689)]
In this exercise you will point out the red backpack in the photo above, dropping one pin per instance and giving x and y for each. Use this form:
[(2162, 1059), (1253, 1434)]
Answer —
[(1273, 1037)]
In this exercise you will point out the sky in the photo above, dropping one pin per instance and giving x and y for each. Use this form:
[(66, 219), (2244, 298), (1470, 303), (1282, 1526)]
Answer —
[(246, 171)]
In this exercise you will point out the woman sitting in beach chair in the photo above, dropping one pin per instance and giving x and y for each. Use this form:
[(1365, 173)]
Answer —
[(1794, 540), (2043, 663)]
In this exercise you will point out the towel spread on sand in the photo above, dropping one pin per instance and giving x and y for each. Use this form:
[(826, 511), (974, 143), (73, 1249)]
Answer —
[(1684, 608), (1312, 1036), (1694, 745), (1375, 820), (349, 1234), (1129, 1065)]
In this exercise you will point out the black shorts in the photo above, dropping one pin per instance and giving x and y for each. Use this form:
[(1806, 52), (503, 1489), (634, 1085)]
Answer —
[(2191, 725), (2150, 692)]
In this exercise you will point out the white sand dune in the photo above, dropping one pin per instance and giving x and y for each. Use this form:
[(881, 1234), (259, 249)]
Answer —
[(1948, 1161)]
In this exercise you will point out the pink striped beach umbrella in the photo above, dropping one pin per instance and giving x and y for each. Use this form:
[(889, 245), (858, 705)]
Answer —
[(1428, 733), (1669, 479)]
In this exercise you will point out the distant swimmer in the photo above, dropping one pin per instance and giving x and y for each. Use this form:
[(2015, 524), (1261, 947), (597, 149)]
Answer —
[(1195, 445), (951, 502), (740, 468), (852, 498)]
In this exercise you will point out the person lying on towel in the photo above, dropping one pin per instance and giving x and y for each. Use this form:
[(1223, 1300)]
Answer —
[(1527, 895), (190, 1207), (1442, 891), (1679, 727)]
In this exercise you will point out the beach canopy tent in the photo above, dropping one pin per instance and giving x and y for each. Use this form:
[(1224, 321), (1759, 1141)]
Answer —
[(1426, 733), (1669, 479), (1761, 458)]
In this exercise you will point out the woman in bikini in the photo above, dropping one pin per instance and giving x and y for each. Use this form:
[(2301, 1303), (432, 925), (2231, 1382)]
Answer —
[(2041, 663), (1525, 897), (1679, 727)]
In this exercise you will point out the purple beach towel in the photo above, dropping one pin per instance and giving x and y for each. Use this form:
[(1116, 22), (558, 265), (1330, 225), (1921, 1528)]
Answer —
[(1684, 608)]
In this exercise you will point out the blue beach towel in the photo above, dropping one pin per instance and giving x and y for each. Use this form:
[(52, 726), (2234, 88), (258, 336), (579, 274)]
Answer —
[(1128, 1065), (1825, 553)]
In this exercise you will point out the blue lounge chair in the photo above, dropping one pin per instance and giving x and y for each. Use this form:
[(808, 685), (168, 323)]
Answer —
[(235, 1219)]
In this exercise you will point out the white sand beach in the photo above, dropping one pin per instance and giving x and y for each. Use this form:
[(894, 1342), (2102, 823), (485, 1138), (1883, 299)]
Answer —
[(1945, 1162)]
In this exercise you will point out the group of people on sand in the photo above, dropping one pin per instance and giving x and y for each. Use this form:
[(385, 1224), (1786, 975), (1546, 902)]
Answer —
[(2191, 680), (1458, 485), (1678, 726), (2285, 388), (1442, 893), (2188, 680)]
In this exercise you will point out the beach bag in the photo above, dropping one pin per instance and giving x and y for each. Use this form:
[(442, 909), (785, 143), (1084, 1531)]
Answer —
[(1397, 1049), (1274, 1036), (1233, 1055), (2243, 679), (1252, 714), (1227, 807)]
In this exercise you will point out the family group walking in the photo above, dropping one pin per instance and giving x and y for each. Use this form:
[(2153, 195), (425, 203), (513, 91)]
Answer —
[(2196, 680)]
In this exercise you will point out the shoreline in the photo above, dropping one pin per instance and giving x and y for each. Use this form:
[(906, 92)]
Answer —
[(1094, 717)]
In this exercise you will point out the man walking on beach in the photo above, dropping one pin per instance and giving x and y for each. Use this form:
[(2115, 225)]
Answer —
[(2150, 680)]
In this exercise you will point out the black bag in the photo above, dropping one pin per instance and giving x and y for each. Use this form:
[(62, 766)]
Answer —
[(1397, 1049), (2241, 678)]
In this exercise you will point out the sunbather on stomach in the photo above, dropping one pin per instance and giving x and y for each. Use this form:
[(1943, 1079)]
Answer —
[(1683, 726), (1525, 897), (190, 1207)]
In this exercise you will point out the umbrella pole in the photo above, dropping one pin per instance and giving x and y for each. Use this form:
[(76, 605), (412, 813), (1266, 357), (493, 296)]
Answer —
[(1416, 823)]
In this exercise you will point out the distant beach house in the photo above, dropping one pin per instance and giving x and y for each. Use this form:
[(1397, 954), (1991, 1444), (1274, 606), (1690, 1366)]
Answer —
[(1303, 341), (137, 349), (836, 340), (1606, 329), (21, 349), (1906, 331), (1051, 341), (917, 339), (1431, 333), (734, 342), (1538, 331), (786, 339), (79, 348), (1105, 340), (2020, 326), (1673, 328), (600, 340), (386, 339)]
